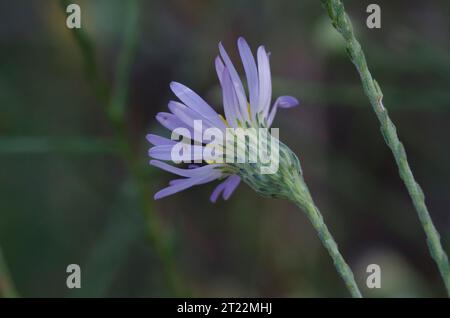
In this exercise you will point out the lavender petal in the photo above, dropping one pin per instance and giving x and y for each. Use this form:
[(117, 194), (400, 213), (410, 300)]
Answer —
[(248, 61), (237, 84), (211, 168), (172, 122), (158, 140), (282, 102), (162, 152), (225, 188), (230, 102), (195, 102), (219, 67), (188, 116), (232, 184), (265, 82), (183, 184)]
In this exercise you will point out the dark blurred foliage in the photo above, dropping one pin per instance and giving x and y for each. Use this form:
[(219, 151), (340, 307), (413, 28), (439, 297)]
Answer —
[(66, 196)]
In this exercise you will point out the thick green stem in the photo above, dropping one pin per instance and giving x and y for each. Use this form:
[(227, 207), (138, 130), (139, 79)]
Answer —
[(303, 199), (343, 25), (7, 288)]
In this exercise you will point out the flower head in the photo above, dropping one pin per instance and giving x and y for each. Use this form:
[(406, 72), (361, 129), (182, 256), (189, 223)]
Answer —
[(240, 111)]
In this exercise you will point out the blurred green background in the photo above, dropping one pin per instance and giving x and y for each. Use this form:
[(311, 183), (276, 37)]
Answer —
[(75, 185)]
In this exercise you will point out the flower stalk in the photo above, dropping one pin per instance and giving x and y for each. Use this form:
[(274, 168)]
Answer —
[(343, 25), (302, 198)]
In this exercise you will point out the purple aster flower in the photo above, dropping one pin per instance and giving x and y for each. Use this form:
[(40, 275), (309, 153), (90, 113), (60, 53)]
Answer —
[(240, 109), (254, 111)]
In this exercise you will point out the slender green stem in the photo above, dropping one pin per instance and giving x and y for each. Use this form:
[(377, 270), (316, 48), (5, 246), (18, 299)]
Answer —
[(7, 288), (304, 201), (343, 25), (114, 102)]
